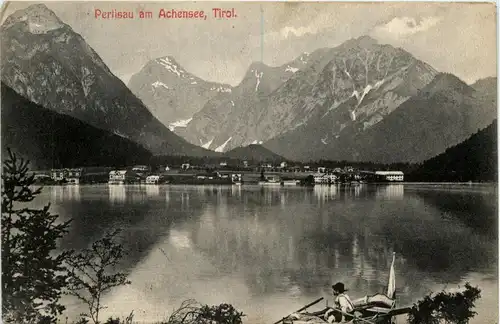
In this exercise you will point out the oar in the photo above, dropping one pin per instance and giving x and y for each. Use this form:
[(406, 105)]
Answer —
[(300, 310)]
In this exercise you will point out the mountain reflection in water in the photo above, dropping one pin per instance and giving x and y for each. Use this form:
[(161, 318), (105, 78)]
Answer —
[(271, 250)]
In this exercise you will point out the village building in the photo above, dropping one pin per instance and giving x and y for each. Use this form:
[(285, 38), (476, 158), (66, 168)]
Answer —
[(153, 179), (122, 176), (74, 175), (236, 177), (390, 175), (208, 175), (57, 174), (67, 175)]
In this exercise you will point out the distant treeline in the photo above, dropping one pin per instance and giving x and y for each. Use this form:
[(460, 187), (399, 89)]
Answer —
[(209, 161)]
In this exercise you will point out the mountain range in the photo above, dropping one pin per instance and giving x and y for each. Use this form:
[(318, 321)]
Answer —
[(359, 101), (443, 113), (44, 60), (236, 119)]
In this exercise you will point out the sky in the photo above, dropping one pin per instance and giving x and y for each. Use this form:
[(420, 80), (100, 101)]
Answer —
[(458, 38)]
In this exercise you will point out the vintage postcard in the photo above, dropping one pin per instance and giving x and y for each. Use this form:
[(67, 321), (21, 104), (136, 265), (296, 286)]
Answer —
[(249, 162)]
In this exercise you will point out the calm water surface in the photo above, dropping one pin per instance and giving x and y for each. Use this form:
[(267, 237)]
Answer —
[(270, 251)]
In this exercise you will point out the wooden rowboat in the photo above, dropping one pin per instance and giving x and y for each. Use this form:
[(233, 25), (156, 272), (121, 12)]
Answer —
[(378, 308)]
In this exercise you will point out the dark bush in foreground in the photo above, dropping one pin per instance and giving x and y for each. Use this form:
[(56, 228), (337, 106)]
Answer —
[(452, 308)]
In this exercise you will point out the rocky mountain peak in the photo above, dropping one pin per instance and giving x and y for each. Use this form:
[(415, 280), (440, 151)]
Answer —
[(169, 63), (486, 85), (447, 82), (365, 42), (38, 18)]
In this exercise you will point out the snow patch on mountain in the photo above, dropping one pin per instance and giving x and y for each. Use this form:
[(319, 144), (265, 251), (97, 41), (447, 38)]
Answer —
[(258, 76), (221, 148), (179, 123), (291, 69), (323, 140), (36, 28), (359, 97), (207, 144), (171, 66), (232, 103), (117, 132), (221, 89), (304, 60), (257, 142), (332, 107), (367, 89), (378, 84), (194, 82), (159, 84)]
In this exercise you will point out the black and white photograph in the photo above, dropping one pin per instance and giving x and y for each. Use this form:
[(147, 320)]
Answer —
[(243, 162)]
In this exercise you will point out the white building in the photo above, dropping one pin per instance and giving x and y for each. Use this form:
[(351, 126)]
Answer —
[(153, 179), (322, 178), (390, 175), (117, 176), (283, 165)]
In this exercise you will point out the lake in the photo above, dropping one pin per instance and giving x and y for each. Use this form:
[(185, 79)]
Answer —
[(269, 251)]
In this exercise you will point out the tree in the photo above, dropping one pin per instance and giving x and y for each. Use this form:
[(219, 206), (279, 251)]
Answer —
[(91, 273), (33, 275), (308, 181), (449, 308)]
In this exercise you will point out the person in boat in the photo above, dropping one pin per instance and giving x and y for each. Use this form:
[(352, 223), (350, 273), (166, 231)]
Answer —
[(342, 302)]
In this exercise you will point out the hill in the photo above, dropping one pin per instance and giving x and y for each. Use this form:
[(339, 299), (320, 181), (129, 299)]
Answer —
[(254, 152), (51, 140), (475, 159)]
